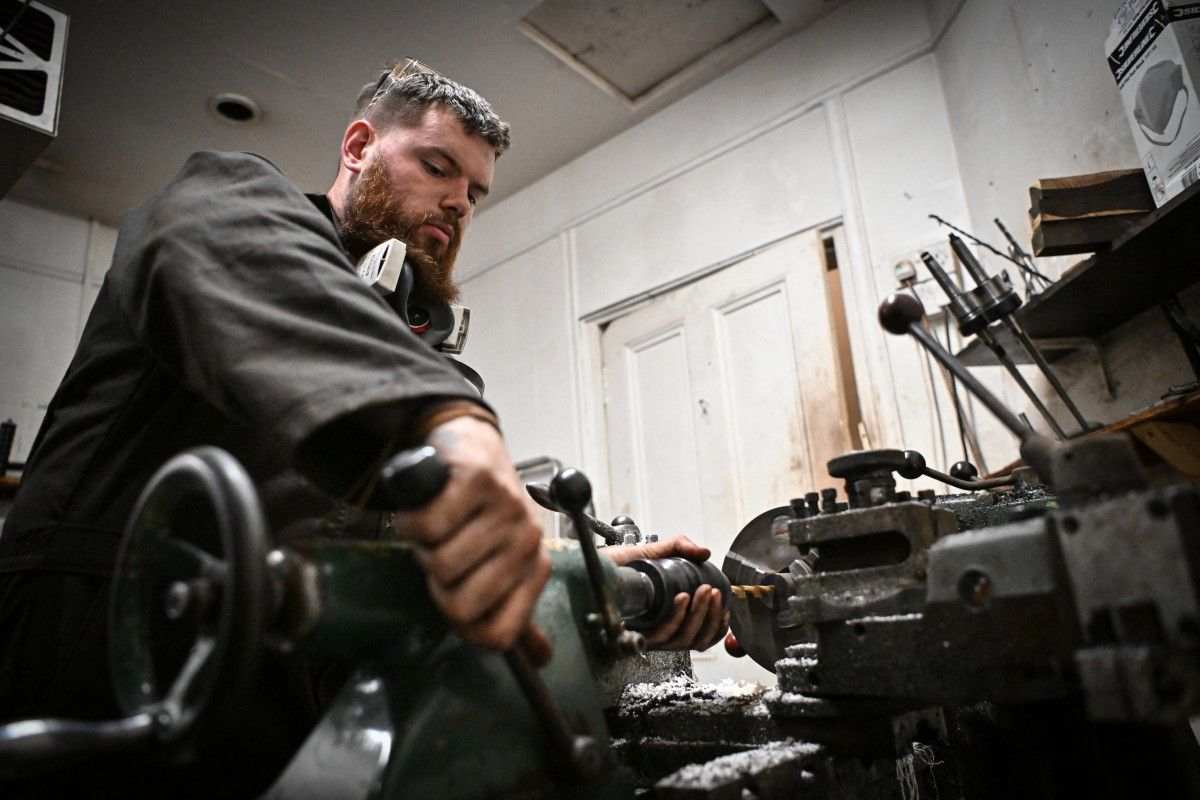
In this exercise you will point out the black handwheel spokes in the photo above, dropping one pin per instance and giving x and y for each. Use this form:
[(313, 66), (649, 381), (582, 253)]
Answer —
[(189, 598)]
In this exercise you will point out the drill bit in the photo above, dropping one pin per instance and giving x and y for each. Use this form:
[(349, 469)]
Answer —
[(744, 591)]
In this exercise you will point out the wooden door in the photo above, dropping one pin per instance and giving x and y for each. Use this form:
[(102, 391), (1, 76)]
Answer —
[(726, 397)]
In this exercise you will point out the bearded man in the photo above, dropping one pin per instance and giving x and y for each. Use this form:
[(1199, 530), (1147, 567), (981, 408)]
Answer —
[(233, 316)]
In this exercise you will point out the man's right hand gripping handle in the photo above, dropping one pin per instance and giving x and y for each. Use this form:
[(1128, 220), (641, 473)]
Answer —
[(479, 541)]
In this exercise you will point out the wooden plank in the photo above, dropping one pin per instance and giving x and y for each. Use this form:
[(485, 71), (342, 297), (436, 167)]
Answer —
[(1153, 260), (1083, 235), (1183, 410), (1120, 191)]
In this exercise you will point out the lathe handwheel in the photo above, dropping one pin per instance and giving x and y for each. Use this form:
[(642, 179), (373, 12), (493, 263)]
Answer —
[(189, 597)]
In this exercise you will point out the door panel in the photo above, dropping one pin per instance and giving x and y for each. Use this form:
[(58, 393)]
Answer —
[(660, 396), (723, 399)]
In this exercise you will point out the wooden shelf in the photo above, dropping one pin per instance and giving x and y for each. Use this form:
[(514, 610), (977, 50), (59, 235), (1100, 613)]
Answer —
[(1156, 258)]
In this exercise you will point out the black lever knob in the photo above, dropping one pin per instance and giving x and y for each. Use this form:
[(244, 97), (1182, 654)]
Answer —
[(899, 311), (964, 471), (914, 465), (571, 491), (414, 477)]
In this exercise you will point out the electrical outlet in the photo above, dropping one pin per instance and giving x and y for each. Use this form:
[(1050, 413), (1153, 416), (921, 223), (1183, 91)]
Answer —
[(922, 283)]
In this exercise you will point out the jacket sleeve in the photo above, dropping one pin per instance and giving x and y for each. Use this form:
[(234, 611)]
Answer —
[(240, 287)]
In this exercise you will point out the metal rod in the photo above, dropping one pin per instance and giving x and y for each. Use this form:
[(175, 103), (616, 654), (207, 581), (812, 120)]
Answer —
[(972, 448), (1019, 333), (972, 265), (562, 740), (571, 492), (1007, 418), (1001, 354), (967, 259)]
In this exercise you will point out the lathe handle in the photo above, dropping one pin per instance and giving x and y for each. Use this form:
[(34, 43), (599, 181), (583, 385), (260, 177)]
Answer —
[(414, 477)]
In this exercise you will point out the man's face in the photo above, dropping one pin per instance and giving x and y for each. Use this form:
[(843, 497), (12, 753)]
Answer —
[(420, 185)]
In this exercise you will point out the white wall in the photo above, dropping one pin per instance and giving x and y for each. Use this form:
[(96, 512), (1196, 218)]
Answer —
[(51, 267), (845, 120), (1030, 96)]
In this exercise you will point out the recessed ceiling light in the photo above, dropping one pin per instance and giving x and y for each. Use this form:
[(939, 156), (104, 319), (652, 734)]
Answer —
[(234, 108)]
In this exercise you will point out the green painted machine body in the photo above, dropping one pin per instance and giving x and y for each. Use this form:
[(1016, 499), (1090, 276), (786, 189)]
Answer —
[(462, 727)]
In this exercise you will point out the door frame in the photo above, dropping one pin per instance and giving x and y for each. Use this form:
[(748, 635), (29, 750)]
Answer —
[(589, 331)]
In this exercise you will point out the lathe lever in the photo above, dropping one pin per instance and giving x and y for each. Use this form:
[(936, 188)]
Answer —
[(413, 478), (901, 313)]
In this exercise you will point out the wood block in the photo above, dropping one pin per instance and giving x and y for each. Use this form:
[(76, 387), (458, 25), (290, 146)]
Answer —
[(1100, 193), (1083, 235)]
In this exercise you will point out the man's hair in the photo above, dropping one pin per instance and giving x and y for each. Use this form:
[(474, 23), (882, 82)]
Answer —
[(405, 101)]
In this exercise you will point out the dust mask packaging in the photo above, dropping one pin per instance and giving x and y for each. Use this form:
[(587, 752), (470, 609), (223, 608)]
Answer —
[(1153, 51)]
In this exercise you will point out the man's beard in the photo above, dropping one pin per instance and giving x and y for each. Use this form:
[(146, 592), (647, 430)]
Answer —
[(375, 212)]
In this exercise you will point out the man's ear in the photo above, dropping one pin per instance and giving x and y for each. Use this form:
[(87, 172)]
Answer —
[(357, 143)]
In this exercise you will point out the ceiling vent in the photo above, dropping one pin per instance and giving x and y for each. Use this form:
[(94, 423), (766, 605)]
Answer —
[(639, 50), (31, 59)]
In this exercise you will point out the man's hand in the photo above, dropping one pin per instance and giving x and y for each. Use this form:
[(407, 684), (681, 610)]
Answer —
[(697, 627), (479, 541)]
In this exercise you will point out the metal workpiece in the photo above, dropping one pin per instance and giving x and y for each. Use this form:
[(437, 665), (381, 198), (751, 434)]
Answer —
[(667, 578), (992, 300)]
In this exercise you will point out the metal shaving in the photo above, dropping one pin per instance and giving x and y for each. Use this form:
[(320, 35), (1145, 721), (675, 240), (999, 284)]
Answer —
[(685, 692), (804, 662), (890, 618), (774, 696), (727, 769)]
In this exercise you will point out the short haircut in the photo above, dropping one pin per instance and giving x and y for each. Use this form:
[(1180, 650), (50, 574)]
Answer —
[(404, 102)]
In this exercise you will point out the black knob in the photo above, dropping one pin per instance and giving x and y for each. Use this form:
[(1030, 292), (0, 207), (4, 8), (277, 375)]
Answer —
[(964, 471), (898, 311), (828, 500), (621, 520), (414, 477), (571, 490), (914, 465)]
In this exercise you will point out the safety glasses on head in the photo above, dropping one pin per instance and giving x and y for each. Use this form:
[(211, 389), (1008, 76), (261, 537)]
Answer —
[(403, 69)]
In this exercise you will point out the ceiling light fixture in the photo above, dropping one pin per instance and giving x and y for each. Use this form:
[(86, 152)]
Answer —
[(234, 108)]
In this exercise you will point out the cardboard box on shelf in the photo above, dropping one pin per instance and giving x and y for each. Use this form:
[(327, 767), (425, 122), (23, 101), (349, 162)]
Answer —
[(1153, 50)]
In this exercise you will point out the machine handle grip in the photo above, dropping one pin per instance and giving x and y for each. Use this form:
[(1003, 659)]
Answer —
[(413, 477)]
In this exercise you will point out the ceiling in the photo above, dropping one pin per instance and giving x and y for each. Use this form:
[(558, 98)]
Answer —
[(140, 73)]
